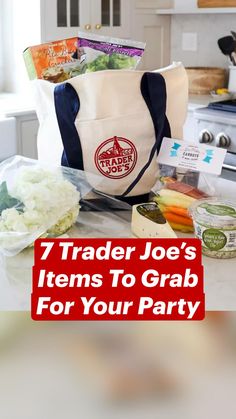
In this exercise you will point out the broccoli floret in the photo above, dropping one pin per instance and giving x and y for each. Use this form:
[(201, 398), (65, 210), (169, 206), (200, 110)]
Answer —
[(119, 61), (112, 62), (101, 63)]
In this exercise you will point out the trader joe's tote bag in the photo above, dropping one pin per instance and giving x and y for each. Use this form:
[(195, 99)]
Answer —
[(111, 123)]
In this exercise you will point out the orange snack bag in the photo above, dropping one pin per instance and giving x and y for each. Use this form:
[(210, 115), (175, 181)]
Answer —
[(55, 61)]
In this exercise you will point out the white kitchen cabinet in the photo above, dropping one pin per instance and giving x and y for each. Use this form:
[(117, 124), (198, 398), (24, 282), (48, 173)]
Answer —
[(189, 127), (28, 139), (8, 141), (155, 31), (26, 131), (135, 19), (18, 134), (64, 18), (111, 17)]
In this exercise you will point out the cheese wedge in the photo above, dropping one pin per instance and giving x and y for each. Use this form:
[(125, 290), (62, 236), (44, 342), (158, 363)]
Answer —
[(148, 221)]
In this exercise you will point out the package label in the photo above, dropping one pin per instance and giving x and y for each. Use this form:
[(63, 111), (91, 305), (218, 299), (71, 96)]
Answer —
[(200, 158), (118, 279)]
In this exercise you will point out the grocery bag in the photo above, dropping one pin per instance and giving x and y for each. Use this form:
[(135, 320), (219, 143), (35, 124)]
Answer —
[(111, 123)]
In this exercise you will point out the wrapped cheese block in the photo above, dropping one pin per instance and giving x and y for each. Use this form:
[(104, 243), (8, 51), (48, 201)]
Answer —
[(148, 221)]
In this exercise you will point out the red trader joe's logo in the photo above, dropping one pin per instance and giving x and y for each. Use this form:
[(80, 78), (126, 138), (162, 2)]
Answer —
[(116, 158)]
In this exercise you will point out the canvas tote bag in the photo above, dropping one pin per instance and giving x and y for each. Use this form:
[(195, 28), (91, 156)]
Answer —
[(112, 123)]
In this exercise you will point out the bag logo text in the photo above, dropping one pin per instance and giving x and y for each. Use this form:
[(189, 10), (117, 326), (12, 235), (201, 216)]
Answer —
[(116, 158)]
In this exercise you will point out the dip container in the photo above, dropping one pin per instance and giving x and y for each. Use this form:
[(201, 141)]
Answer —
[(215, 224)]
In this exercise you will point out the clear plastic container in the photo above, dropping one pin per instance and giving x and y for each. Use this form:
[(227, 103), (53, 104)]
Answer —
[(215, 224)]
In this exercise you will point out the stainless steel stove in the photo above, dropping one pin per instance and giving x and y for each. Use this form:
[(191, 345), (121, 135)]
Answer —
[(216, 125)]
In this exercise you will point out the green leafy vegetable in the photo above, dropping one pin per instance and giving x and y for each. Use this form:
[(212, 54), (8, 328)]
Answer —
[(113, 62), (119, 62), (7, 201), (101, 63)]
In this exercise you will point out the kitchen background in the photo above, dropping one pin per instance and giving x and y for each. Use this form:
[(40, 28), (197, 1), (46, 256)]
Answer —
[(208, 29), (175, 30)]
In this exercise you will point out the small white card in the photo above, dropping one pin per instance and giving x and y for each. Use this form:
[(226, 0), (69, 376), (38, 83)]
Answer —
[(200, 158)]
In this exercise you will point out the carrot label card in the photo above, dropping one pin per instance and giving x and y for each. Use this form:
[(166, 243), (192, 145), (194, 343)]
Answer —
[(185, 155)]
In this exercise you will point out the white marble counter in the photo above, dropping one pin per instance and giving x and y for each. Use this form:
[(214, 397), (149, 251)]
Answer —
[(199, 101), (16, 272)]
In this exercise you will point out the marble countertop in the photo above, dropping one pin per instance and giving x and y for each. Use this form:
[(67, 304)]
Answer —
[(199, 101)]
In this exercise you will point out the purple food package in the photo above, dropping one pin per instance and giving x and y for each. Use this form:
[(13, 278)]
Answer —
[(105, 53)]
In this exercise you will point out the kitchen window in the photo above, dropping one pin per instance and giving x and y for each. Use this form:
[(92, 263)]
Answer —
[(1, 49), (19, 28)]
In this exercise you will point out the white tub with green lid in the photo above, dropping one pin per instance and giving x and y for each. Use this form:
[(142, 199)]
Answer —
[(215, 224)]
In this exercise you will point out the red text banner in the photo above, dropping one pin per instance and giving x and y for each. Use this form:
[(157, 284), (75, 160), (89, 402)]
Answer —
[(118, 279)]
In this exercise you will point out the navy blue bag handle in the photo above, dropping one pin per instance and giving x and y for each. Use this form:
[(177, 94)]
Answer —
[(67, 105), (153, 89)]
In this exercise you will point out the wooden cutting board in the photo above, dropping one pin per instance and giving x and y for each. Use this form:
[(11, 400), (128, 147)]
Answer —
[(204, 79), (216, 3)]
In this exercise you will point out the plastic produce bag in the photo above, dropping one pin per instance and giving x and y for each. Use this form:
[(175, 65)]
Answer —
[(100, 216), (103, 53), (175, 192), (189, 172), (38, 200)]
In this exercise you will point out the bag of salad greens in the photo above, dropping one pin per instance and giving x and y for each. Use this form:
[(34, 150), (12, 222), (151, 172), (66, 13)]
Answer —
[(103, 53)]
